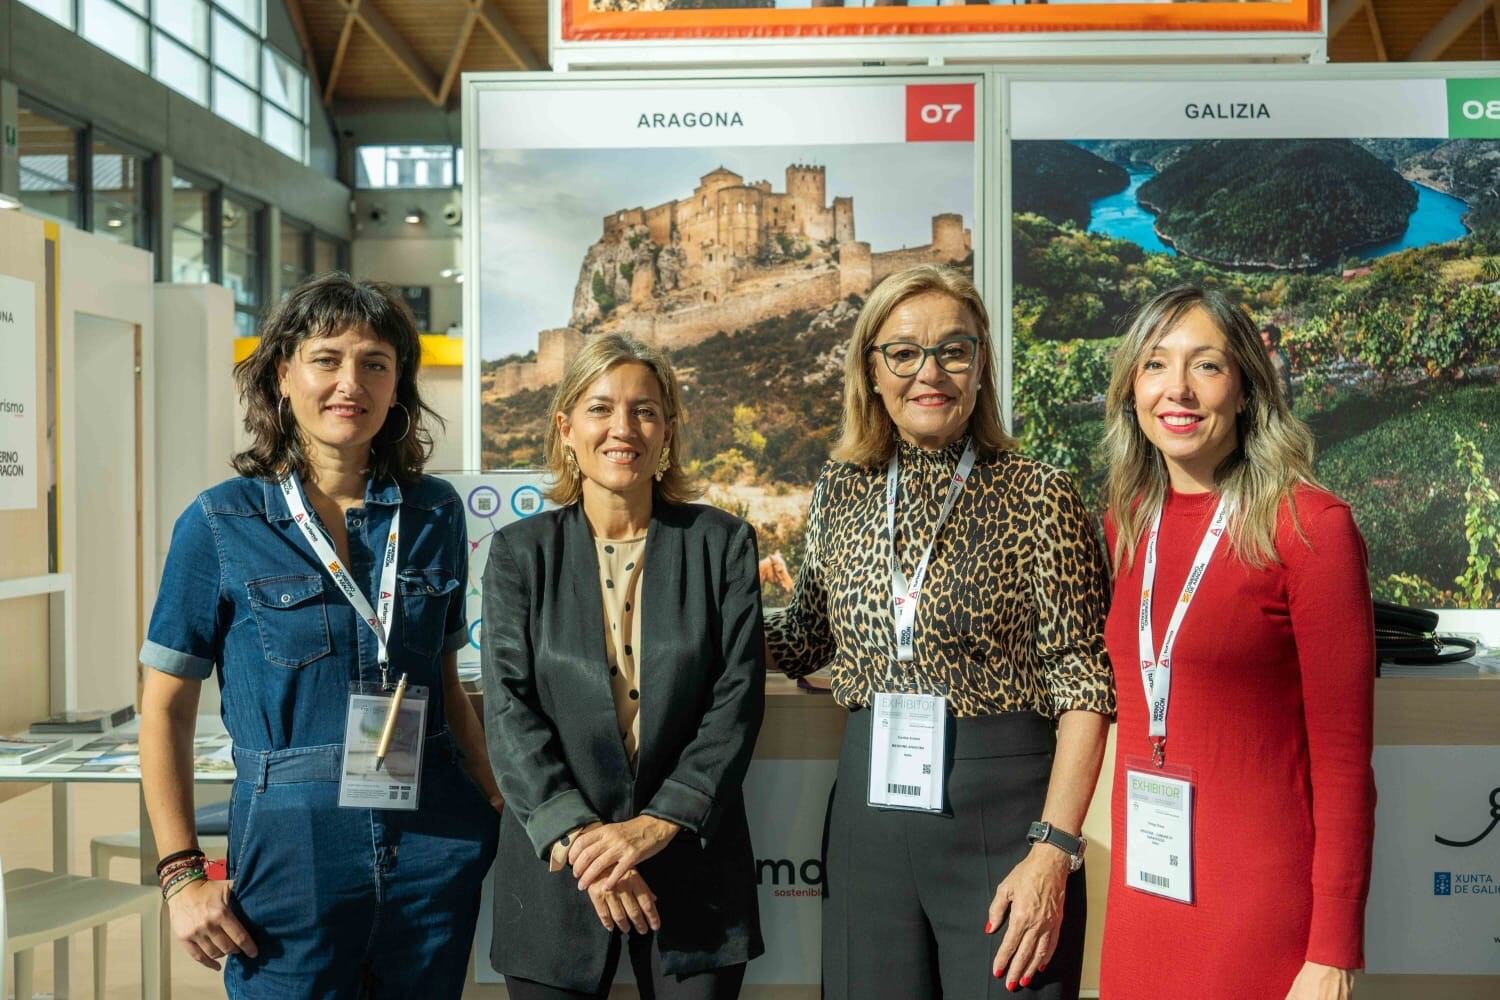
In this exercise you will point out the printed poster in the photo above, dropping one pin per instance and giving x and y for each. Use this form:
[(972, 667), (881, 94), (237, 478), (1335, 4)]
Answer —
[(737, 224), (18, 395), (1357, 220), (1434, 905), (599, 20)]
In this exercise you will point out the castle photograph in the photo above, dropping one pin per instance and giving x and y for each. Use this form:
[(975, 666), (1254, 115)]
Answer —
[(748, 264)]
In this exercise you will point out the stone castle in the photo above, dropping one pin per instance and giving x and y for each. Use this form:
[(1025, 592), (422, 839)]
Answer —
[(730, 255)]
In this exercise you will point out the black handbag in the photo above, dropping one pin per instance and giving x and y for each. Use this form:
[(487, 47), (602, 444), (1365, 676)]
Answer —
[(1409, 636)]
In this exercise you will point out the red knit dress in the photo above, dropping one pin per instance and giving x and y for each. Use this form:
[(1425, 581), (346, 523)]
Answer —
[(1271, 707)]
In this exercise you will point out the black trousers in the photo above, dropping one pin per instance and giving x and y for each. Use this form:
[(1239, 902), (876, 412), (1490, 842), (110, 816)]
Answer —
[(908, 893), (715, 984)]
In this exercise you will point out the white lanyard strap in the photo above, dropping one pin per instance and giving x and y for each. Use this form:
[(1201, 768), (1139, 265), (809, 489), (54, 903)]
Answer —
[(1156, 669), (905, 595), (380, 623)]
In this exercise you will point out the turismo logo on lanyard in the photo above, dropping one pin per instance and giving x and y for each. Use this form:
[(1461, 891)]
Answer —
[(379, 621), (1156, 669), (904, 594)]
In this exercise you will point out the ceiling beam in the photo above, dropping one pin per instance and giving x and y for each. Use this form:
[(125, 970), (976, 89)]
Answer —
[(1448, 30), (1341, 12), (455, 61), (505, 33), (339, 52), (309, 55), (397, 48)]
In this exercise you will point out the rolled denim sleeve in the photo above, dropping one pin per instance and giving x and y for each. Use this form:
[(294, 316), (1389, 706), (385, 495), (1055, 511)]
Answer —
[(185, 637)]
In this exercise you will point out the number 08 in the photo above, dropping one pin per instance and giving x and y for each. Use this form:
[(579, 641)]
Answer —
[(1474, 110)]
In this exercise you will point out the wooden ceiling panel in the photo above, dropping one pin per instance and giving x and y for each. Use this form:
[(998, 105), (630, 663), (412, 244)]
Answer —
[(1403, 26), (484, 53), (1478, 42), (369, 72), (1355, 43), (404, 49)]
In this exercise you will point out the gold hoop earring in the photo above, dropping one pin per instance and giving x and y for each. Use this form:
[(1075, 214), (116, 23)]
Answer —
[(408, 423), (664, 462)]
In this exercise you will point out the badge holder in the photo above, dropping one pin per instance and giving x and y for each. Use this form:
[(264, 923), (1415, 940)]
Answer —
[(908, 751), (368, 780), (1159, 807)]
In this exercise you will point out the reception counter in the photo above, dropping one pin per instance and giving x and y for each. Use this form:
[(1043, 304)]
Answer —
[(1437, 759)]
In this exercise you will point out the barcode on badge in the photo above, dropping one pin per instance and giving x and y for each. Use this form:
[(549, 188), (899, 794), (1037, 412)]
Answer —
[(903, 789), (1160, 881)]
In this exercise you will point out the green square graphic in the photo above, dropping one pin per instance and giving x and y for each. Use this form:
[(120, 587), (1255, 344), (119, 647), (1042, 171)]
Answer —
[(1474, 109)]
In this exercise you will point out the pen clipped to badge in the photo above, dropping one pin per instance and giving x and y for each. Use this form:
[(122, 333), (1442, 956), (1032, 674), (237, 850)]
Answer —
[(383, 740)]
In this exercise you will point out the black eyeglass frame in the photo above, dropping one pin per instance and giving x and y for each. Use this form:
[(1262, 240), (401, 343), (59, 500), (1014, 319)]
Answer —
[(927, 352)]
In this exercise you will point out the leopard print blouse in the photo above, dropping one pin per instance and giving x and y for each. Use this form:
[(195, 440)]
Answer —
[(1012, 612)]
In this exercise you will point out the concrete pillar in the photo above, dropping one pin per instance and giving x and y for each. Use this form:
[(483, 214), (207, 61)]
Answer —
[(161, 211), (10, 129), (272, 257)]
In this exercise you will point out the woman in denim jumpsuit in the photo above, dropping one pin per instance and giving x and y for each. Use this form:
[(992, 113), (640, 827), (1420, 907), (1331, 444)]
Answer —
[(323, 901)]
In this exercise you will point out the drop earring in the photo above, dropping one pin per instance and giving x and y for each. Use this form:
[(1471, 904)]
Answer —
[(664, 462)]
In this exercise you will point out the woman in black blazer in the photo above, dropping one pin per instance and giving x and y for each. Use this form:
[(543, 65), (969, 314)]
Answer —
[(624, 689)]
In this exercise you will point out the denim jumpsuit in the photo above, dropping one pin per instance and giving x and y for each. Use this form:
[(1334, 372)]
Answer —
[(341, 902)]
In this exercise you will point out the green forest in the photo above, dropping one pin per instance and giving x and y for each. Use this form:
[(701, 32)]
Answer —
[(1295, 204), (1394, 361), (1059, 180)]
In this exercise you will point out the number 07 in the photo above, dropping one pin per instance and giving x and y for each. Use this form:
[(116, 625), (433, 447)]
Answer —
[(931, 114)]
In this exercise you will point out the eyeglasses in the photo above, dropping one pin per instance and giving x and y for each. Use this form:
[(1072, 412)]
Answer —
[(905, 359)]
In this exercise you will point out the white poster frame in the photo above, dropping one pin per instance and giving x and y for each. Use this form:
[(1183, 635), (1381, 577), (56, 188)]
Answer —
[(1476, 621), (476, 84)]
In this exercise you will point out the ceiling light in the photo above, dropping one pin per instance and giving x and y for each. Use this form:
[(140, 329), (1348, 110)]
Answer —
[(448, 272), (414, 216), (114, 223), (459, 278)]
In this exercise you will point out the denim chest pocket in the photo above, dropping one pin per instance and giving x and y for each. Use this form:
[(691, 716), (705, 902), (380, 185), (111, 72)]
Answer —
[(425, 596), (292, 618)]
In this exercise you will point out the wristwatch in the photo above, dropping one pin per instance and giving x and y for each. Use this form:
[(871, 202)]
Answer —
[(1073, 847)]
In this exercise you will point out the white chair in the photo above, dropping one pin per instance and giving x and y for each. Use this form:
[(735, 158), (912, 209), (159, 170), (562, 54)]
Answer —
[(105, 849), (37, 907)]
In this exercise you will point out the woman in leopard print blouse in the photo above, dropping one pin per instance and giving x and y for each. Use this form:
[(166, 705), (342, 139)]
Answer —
[(1009, 629)]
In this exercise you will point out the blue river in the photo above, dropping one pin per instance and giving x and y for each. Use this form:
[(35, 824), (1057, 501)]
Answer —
[(1438, 218)]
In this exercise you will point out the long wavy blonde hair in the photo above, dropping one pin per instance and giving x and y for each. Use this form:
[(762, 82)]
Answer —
[(599, 355), (869, 436), (1274, 454)]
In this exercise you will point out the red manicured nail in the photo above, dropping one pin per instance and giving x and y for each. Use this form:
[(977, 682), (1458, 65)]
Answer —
[(1041, 970), (1025, 980), (997, 973), (1011, 986), (989, 927)]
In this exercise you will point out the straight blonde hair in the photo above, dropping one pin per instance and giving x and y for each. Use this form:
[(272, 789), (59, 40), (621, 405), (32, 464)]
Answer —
[(1273, 456), (599, 355), (869, 437)]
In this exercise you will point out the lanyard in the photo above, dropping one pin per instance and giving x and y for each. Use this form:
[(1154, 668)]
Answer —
[(379, 623), (1156, 670), (905, 595)]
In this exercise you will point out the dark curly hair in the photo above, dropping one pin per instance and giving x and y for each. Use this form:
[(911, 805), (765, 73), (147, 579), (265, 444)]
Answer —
[(324, 306)]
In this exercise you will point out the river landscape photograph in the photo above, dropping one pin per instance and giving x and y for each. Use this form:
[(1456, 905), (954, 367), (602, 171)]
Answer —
[(1378, 260)]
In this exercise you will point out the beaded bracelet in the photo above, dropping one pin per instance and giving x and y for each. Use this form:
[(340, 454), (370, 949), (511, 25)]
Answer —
[(179, 876), (177, 885), (181, 865), (188, 852)]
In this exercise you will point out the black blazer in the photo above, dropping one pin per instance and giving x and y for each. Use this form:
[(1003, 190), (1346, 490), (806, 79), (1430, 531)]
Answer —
[(555, 744)]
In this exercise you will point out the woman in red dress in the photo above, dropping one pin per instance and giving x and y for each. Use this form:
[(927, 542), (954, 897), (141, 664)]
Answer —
[(1243, 804)]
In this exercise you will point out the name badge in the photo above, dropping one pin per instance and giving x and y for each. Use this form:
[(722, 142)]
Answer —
[(908, 740), (397, 780), (1159, 831)]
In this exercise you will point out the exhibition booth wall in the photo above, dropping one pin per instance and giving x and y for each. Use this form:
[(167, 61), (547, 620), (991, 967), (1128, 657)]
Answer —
[(739, 218)]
